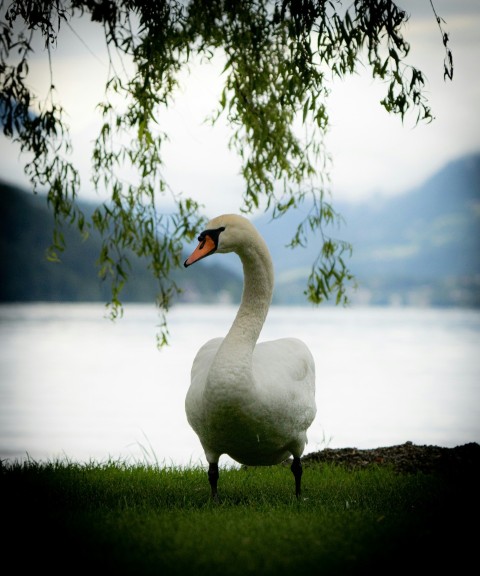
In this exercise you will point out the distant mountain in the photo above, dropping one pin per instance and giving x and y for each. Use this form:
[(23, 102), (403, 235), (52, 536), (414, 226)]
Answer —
[(26, 225), (421, 247), (418, 248)]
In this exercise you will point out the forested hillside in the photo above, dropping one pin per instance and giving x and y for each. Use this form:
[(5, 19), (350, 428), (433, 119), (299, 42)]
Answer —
[(26, 228), (418, 248)]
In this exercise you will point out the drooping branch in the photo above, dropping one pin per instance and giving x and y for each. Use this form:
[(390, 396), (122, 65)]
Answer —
[(279, 59)]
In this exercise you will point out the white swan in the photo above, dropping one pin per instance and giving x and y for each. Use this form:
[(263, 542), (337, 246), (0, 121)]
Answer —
[(251, 401)]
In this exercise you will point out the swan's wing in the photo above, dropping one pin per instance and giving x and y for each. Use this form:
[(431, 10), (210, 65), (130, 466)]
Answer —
[(203, 360), (200, 367), (285, 372)]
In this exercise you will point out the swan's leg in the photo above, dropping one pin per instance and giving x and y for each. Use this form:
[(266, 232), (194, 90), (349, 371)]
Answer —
[(213, 478), (296, 468)]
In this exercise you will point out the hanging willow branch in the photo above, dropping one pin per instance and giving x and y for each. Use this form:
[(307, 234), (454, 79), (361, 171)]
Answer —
[(279, 57)]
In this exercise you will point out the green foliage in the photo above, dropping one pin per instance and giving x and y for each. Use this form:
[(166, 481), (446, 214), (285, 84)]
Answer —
[(279, 58)]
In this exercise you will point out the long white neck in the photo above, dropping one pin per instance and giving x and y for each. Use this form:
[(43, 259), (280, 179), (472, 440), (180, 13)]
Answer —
[(240, 341)]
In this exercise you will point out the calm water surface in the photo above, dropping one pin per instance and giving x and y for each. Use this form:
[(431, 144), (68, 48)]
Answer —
[(74, 385)]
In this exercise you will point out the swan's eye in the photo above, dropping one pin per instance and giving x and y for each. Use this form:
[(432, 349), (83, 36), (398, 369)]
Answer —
[(213, 234)]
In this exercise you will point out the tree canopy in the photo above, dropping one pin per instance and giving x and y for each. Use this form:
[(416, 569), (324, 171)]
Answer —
[(279, 58)]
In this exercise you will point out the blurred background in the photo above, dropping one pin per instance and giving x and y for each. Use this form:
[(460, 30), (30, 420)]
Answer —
[(399, 363)]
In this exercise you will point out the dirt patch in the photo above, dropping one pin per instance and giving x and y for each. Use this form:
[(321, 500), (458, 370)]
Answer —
[(406, 457)]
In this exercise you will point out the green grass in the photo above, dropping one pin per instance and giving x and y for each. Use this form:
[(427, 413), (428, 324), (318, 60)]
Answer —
[(120, 519)]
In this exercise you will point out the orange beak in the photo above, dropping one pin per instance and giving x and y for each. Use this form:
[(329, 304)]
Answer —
[(205, 247)]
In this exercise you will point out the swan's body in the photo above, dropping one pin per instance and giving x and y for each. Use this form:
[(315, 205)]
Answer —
[(251, 401)]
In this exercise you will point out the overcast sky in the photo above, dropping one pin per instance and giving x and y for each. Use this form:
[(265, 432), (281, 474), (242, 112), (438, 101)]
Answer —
[(373, 153)]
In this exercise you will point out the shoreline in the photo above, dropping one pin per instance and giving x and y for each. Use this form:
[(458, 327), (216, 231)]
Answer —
[(407, 457)]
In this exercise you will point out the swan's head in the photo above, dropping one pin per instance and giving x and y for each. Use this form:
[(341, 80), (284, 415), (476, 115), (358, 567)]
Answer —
[(222, 234)]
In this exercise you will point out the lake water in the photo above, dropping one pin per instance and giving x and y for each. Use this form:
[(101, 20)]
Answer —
[(75, 385)]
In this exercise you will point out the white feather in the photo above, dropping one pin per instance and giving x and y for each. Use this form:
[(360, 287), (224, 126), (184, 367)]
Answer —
[(252, 401)]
